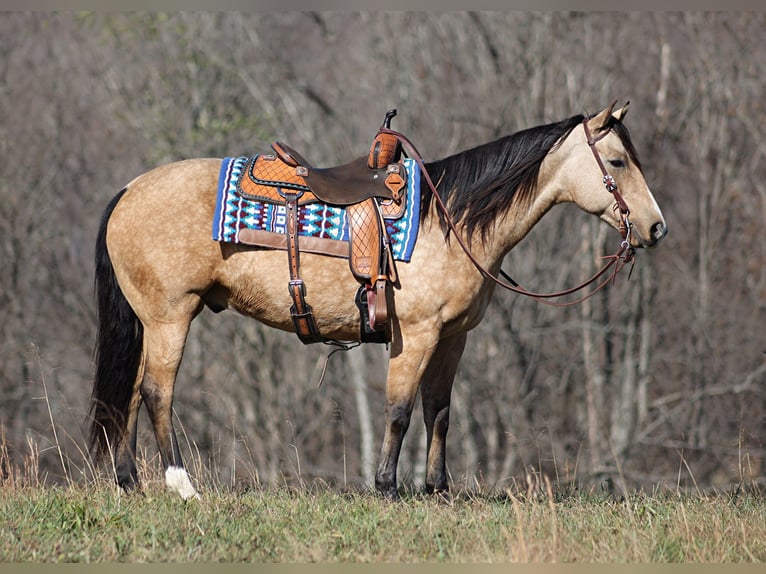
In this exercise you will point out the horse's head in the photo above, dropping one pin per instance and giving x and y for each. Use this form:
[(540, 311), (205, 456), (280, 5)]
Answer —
[(599, 150)]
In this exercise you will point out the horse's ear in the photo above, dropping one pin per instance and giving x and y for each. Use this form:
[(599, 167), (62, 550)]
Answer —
[(620, 114), (601, 119)]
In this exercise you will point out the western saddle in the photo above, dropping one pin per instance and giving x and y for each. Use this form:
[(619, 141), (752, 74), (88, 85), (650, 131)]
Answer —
[(369, 188)]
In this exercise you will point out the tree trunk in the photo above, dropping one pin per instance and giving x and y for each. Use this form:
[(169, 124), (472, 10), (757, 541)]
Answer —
[(358, 374), (591, 313)]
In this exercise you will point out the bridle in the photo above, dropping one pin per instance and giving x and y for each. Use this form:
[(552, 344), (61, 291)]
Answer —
[(611, 185), (616, 262)]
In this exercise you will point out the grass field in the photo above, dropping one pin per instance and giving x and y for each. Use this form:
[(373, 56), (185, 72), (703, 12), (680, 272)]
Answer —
[(97, 523), (86, 518)]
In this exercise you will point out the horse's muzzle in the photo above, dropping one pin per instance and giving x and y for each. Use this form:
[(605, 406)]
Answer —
[(657, 233)]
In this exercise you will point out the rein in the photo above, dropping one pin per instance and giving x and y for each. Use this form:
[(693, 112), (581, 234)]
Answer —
[(624, 255)]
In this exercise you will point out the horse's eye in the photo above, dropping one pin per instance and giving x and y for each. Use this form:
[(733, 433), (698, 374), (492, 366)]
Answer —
[(618, 163)]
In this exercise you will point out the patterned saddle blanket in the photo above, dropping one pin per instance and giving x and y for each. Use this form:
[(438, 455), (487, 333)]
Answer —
[(241, 217)]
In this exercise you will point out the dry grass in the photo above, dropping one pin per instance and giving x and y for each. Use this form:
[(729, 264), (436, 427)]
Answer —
[(95, 522), (83, 517)]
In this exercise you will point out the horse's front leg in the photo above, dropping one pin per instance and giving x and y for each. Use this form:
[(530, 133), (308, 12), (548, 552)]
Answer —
[(435, 391), (406, 367)]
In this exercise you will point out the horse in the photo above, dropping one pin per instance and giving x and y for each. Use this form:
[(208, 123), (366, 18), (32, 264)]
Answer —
[(157, 268)]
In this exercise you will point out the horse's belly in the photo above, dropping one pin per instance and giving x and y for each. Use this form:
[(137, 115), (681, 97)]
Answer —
[(254, 282)]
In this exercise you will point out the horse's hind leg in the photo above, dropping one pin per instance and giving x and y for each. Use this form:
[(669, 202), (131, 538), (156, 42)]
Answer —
[(435, 391), (164, 345), (125, 451)]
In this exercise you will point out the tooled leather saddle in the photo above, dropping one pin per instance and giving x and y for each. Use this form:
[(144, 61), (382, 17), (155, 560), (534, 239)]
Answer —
[(369, 187)]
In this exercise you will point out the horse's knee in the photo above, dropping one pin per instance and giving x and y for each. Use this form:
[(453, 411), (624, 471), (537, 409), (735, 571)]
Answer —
[(399, 416)]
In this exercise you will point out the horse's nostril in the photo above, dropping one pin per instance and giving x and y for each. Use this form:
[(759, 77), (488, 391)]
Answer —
[(659, 230)]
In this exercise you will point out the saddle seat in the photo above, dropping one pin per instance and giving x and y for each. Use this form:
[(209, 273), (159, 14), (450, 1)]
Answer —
[(345, 184)]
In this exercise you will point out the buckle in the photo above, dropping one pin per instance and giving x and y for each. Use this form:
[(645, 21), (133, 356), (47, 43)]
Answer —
[(289, 194), (296, 283)]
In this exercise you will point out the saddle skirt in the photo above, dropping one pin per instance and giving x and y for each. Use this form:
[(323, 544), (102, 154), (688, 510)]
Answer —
[(250, 210)]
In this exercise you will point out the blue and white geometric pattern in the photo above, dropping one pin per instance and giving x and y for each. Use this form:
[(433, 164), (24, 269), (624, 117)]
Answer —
[(234, 212)]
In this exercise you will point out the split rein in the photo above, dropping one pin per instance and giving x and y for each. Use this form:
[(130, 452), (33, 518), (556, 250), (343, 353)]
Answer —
[(625, 254)]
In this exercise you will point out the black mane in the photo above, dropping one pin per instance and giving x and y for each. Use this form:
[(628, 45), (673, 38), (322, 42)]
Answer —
[(478, 183)]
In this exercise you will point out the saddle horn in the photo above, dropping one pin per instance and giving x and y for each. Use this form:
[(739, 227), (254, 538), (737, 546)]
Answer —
[(387, 120), (386, 148)]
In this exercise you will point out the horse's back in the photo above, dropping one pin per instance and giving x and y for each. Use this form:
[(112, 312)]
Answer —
[(179, 180)]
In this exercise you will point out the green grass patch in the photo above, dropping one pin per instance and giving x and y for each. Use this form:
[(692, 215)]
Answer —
[(97, 523)]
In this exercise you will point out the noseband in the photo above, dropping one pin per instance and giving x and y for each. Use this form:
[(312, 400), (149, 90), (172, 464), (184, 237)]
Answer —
[(624, 255), (611, 185)]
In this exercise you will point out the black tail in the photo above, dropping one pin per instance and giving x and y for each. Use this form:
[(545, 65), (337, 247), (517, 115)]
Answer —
[(117, 352)]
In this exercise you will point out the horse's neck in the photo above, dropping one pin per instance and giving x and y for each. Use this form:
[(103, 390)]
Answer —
[(511, 227)]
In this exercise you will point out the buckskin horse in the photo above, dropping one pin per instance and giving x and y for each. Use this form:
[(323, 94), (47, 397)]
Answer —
[(157, 268)]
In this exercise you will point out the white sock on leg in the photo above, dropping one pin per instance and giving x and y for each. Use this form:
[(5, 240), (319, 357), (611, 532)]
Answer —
[(178, 479)]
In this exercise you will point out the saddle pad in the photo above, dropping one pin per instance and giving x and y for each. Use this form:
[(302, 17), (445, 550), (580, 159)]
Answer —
[(238, 219)]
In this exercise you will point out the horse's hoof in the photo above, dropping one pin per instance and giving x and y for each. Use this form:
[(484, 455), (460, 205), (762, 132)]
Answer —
[(442, 495), (129, 485), (390, 493)]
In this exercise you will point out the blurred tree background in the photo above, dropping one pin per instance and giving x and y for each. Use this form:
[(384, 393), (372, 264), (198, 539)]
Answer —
[(660, 379)]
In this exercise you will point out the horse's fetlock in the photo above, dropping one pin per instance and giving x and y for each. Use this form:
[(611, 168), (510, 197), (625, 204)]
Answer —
[(385, 483), (437, 485), (388, 491)]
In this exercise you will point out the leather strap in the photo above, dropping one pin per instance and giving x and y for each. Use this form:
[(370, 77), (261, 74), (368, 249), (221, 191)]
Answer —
[(379, 312), (609, 182), (396, 180), (301, 312), (624, 255)]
